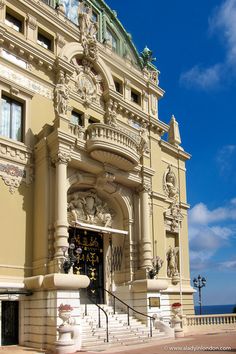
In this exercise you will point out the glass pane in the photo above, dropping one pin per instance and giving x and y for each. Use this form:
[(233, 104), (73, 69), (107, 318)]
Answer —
[(112, 39), (16, 133), (5, 118)]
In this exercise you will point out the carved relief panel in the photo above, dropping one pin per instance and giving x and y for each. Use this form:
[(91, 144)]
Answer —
[(86, 206)]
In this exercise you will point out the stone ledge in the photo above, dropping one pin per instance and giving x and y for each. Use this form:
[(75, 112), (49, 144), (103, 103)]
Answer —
[(57, 281)]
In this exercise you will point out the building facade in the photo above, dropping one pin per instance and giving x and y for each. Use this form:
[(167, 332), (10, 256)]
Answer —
[(93, 189)]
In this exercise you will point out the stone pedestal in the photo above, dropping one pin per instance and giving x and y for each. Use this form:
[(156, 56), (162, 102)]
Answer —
[(65, 344)]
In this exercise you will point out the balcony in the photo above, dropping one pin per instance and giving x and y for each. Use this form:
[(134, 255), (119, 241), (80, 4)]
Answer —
[(113, 146)]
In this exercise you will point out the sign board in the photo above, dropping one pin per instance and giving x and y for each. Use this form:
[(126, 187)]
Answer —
[(154, 302)]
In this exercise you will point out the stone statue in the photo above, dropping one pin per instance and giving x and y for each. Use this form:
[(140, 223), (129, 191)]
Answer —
[(88, 30), (147, 57), (143, 132), (61, 95), (170, 183), (172, 262), (157, 263)]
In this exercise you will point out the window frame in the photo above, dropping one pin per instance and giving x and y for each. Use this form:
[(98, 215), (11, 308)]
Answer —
[(79, 115), (136, 93), (10, 17), (12, 100), (115, 36), (48, 38)]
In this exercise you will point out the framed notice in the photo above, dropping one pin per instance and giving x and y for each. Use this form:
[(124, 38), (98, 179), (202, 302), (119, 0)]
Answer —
[(154, 302)]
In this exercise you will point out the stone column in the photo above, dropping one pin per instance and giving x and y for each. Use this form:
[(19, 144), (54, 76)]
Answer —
[(145, 246), (2, 10), (61, 224)]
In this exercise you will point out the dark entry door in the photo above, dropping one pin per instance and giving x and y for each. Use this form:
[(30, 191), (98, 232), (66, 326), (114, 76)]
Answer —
[(89, 254), (10, 322)]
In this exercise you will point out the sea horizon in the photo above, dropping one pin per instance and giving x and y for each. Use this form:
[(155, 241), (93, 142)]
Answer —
[(214, 309)]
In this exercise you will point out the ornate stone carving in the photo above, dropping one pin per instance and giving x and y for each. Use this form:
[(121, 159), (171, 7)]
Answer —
[(89, 208), (12, 176), (2, 3), (111, 114), (88, 84), (157, 264), (86, 89), (62, 157), (88, 30), (32, 22), (104, 178), (173, 217), (61, 94), (60, 40), (170, 183), (143, 132), (172, 262)]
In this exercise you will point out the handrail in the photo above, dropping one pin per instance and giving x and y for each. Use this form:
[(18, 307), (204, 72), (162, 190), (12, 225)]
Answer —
[(128, 309), (99, 317)]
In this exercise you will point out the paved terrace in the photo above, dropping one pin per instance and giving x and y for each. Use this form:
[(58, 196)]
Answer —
[(217, 342)]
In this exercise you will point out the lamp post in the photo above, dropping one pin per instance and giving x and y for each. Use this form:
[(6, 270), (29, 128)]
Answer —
[(71, 258), (199, 283)]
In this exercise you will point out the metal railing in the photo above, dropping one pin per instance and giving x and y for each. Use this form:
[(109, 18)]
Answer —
[(128, 309), (99, 316)]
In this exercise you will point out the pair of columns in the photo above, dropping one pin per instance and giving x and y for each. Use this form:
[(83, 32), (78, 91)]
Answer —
[(61, 223)]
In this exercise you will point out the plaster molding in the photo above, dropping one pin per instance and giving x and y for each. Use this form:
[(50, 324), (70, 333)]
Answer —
[(24, 84)]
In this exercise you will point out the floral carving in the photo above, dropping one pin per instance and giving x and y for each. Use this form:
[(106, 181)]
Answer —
[(173, 216), (12, 176)]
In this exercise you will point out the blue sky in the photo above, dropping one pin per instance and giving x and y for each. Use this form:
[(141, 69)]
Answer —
[(195, 46)]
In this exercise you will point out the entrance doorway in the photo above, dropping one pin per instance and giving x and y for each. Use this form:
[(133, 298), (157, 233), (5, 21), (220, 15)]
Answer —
[(10, 322), (89, 254)]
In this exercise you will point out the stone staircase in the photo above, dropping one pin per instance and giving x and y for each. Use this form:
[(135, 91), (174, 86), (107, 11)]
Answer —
[(120, 334)]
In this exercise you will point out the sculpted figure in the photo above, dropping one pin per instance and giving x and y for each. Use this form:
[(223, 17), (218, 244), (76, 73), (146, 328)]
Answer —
[(61, 95), (144, 138), (87, 207), (170, 182), (172, 261)]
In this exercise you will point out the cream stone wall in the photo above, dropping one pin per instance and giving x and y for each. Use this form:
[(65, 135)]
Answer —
[(124, 156)]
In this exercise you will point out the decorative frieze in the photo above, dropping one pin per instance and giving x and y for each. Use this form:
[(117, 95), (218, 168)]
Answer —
[(25, 82)]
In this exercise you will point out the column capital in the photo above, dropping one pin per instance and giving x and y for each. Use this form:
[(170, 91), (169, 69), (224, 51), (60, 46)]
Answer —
[(145, 187), (61, 157)]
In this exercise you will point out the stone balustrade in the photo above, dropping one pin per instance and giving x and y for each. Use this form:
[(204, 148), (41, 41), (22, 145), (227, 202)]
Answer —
[(112, 145), (203, 322)]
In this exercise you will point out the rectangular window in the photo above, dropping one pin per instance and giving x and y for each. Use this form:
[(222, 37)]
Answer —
[(11, 120), (76, 118), (44, 41), (118, 86), (14, 22), (135, 97)]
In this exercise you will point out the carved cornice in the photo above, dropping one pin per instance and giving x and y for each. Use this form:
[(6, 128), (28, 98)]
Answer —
[(175, 151), (31, 52)]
